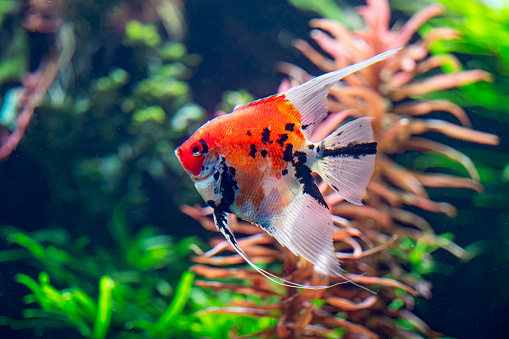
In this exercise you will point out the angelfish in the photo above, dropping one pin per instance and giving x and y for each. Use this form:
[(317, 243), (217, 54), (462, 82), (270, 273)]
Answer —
[(257, 163)]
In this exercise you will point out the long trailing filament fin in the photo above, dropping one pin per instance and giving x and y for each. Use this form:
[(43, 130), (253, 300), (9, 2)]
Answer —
[(221, 224)]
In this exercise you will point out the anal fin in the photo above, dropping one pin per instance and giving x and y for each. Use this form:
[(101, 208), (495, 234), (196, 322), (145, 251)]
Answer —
[(305, 228), (221, 222)]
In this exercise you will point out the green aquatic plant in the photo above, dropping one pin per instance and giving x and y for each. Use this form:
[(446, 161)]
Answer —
[(61, 38), (103, 129), (115, 120), (126, 290), (386, 238)]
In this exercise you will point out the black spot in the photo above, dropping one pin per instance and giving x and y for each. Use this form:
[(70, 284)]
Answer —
[(263, 153), (303, 174), (195, 149), (289, 127), (204, 146), (211, 203), (352, 150), (266, 135), (220, 219), (301, 156), (335, 187), (202, 168), (305, 126), (284, 172), (216, 175), (228, 187), (318, 149), (288, 153), (252, 151), (222, 226), (311, 146), (282, 139), (249, 133)]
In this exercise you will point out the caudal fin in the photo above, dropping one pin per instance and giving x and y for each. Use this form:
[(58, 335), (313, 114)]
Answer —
[(348, 159)]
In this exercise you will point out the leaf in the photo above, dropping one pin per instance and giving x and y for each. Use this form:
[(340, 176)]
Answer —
[(165, 323), (104, 308)]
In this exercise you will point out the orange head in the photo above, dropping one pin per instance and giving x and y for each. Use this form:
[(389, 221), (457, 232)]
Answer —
[(197, 155)]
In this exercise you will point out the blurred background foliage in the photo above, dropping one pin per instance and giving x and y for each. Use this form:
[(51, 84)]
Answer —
[(483, 219), (94, 181), (93, 241)]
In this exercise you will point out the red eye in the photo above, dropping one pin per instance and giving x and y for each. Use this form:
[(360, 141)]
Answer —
[(197, 149), (191, 156)]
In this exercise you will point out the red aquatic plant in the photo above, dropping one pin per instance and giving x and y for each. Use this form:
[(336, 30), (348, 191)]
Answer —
[(41, 17), (363, 234)]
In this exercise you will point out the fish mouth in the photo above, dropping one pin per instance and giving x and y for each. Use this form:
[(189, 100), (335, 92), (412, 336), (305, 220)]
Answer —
[(178, 153)]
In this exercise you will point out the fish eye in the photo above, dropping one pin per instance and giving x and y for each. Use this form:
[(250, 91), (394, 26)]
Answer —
[(197, 149)]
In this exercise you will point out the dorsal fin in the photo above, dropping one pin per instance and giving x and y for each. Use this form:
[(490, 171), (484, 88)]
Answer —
[(310, 98)]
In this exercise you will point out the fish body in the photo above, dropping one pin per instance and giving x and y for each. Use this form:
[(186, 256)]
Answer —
[(257, 163), (254, 156)]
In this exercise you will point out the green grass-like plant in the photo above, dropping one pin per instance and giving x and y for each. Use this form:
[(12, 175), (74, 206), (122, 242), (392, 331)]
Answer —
[(129, 288), (139, 288)]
